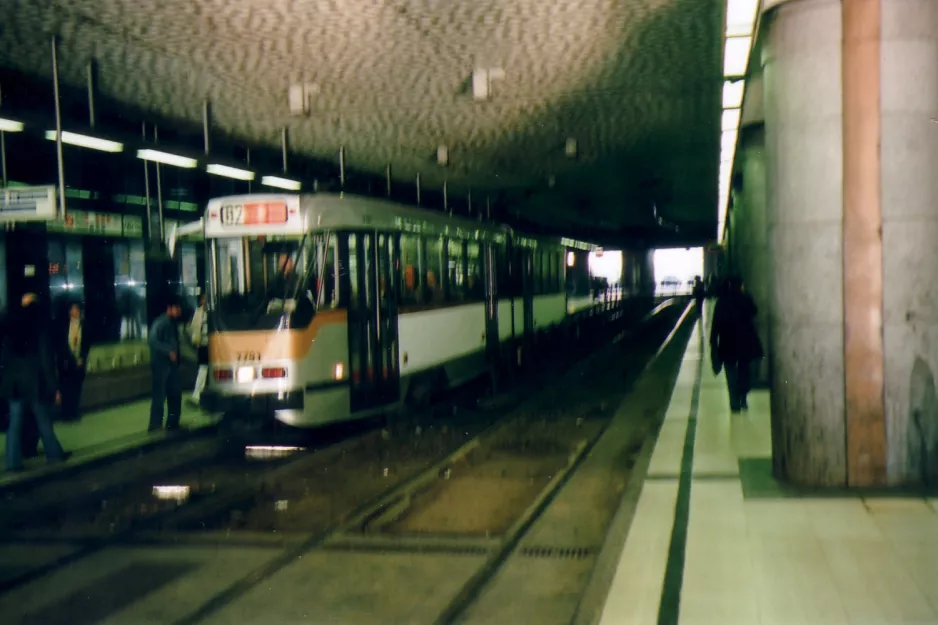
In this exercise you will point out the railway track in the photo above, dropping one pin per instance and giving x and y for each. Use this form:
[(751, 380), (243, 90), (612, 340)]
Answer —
[(213, 506), (405, 519)]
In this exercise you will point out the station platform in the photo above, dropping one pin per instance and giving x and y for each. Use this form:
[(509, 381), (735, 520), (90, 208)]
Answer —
[(715, 540), (101, 433)]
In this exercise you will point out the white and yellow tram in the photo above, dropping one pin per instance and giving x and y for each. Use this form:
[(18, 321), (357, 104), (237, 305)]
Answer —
[(328, 307)]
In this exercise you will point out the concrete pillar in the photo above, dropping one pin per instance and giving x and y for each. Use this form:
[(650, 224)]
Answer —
[(850, 158), (909, 188), (801, 61), (750, 235)]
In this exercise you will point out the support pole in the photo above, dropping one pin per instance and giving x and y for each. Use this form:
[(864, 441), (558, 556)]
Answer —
[(283, 147), (3, 157), (387, 176), (342, 167), (418, 189), (159, 188), (146, 186), (206, 123), (446, 199), (91, 90), (58, 126)]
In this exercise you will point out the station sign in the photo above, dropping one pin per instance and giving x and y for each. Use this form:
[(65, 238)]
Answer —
[(27, 204), (97, 224)]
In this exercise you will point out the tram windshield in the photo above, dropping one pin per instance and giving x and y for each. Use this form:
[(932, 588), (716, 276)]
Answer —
[(272, 282)]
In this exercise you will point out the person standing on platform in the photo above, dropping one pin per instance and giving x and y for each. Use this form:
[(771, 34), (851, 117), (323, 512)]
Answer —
[(30, 381), (734, 341), (198, 333), (72, 368), (699, 294), (164, 368)]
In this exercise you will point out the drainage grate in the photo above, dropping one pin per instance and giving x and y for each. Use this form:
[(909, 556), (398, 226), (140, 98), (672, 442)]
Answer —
[(455, 550), (568, 553)]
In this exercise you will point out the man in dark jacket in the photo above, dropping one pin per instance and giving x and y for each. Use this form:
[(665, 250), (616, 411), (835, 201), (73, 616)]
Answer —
[(29, 381), (734, 341), (699, 294), (164, 368)]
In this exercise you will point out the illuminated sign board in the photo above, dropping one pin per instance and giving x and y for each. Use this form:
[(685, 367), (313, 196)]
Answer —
[(27, 204)]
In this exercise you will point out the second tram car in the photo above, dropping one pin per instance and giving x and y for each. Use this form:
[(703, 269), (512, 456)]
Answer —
[(330, 307)]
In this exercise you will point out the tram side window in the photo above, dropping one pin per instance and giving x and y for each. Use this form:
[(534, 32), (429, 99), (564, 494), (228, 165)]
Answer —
[(475, 287), (433, 293), (411, 280), (323, 278), (502, 276), (560, 264), (550, 277), (537, 258), (353, 270), (456, 270)]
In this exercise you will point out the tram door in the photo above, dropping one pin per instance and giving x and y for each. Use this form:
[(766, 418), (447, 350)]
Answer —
[(372, 320)]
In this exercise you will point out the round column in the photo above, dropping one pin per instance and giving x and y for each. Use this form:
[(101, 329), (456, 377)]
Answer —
[(804, 189), (909, 148)]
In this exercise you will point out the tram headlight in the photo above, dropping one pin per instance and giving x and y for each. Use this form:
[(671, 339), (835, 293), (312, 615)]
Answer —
[(245, 375)]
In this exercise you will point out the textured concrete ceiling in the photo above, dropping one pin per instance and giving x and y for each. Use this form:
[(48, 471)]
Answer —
[(635, 82)]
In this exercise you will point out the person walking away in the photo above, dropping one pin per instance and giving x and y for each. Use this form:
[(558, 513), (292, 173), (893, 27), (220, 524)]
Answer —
[(29, 434), (699, 293), (30, 380), (734, 341), (198, 333), (74, 352), (164, 369)]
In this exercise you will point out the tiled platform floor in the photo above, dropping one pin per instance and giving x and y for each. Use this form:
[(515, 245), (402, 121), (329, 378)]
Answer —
[(104, 432), (753, 553)]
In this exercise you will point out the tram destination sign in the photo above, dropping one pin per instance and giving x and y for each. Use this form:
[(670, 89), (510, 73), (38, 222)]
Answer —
[(27, 204)]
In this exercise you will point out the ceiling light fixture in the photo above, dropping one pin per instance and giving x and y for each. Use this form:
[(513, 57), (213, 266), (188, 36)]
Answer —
[(740, 17), (84, 141), (10, 125), (282, 183), (229, 172), (730, 119), (736, 56), (733, 94), (167, 159)]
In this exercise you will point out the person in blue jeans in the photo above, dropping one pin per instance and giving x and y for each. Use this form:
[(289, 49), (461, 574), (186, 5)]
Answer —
[(164, 368), (29, 380)]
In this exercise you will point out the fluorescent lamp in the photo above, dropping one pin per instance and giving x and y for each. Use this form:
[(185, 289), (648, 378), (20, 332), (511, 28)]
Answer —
[(167, 159), (736, 56), (229, 172), (726, 155), (282, 183), (9, 125), (733, 94), (84, 141), (730, 119), (740, 17), (728, 140)]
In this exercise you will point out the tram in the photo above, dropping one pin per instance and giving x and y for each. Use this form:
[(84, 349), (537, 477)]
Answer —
[(332, 307)]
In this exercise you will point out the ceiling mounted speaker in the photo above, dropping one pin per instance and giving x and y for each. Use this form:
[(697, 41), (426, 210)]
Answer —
[(300, 97), (442, 156), (482, 82)]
